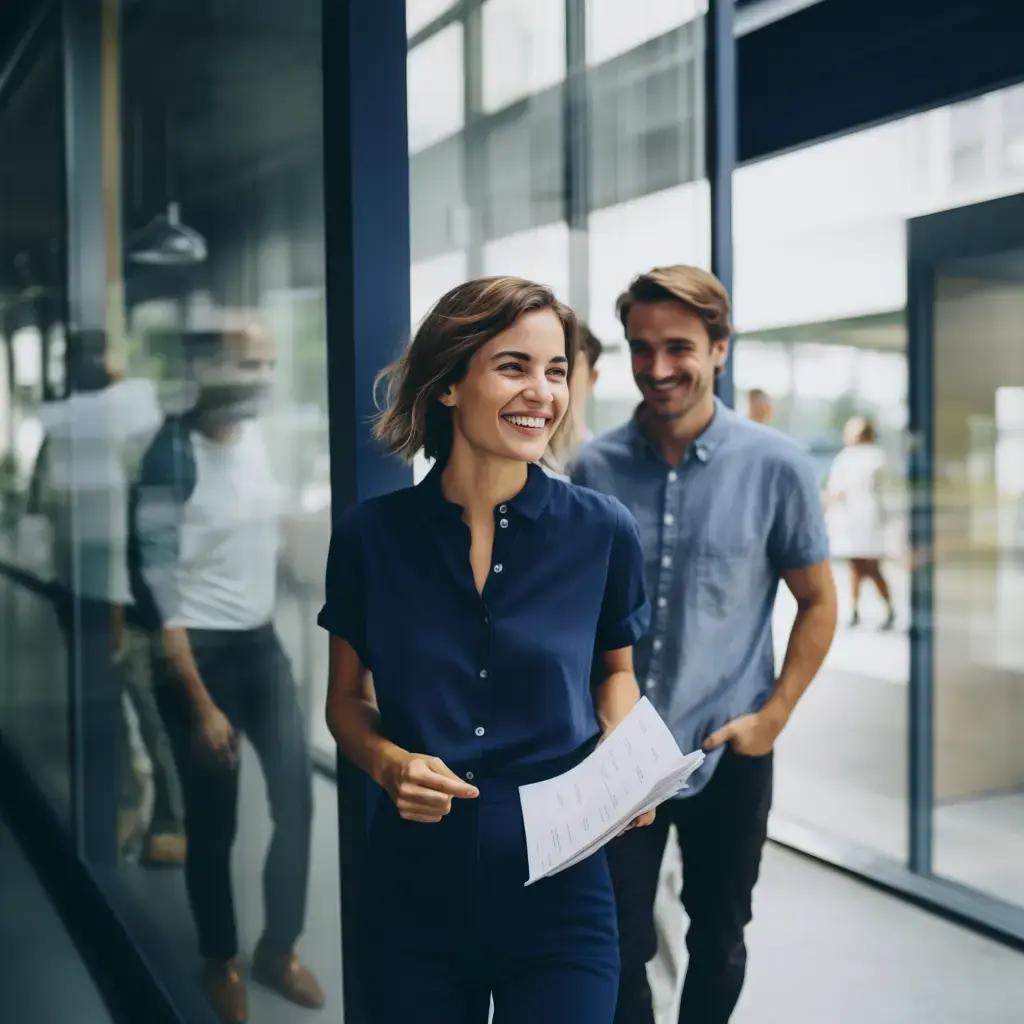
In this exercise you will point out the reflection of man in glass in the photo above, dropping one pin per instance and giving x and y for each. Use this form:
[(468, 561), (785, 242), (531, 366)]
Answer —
[(204, 555)]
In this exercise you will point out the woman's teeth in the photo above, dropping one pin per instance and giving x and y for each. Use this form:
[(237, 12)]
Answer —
[(527, 421)]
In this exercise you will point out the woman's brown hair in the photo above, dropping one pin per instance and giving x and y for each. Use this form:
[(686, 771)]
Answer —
[(460, 324)]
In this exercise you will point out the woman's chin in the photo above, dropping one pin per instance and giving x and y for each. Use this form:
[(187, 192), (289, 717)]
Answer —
[(525, 450)]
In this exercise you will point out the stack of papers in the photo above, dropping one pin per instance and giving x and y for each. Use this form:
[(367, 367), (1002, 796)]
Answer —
[(637, 767)]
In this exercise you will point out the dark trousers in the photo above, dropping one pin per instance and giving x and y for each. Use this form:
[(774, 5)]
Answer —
[(249, 678), (722, 830), (446, 922)]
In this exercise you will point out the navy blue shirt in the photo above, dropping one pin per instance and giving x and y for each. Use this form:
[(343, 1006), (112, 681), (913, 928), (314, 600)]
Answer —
[(494, 681)]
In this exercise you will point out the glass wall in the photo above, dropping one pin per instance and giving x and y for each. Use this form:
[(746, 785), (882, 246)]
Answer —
[(820, 294), (34, 622), (204, 404), (978, 819)]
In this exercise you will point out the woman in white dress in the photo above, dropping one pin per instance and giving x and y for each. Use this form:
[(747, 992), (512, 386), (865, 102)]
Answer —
[(856, 516)]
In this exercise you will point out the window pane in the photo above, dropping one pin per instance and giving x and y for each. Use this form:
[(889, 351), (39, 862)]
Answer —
[(523, 49), (223, 410), (647, 111), (436, 100), (614, 27), (420, 13), (34, 517)]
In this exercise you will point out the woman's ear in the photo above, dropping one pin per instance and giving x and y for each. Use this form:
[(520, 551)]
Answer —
[(447, 397)]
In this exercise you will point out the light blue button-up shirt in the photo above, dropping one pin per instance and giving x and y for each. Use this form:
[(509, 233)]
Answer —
[(718, 532)]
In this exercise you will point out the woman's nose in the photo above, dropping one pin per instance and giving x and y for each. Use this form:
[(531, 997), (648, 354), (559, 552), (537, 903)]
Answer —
[(539, 390)]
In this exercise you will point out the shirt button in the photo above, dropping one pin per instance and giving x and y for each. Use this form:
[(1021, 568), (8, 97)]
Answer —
[(503, 524), (503, 509), (662, 602), (470, 776), (666, 562), (483, 673), (498, 567), (652, 684), (673, 477), (658, 643), (669, 519), (480, 730)]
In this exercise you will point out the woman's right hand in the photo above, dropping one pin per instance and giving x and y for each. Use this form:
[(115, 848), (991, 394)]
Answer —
[(422, 787)]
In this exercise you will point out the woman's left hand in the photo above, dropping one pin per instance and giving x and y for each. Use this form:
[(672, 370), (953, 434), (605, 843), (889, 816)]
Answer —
[(640, 821)]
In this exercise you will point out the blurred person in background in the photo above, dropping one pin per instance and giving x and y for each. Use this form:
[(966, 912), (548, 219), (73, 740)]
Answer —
[(94, 441), (856, 513), (204, 555), (584, 377), (563, 448), (760, 407), (726, 511)]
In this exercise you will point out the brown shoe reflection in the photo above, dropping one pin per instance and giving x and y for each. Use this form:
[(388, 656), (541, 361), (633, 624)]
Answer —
[(286, 976), (164, 850), (225, 989)]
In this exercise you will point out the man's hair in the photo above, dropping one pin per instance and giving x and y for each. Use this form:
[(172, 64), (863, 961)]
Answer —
[(700, 292), (589, 344), (460, 324), (758, 395)]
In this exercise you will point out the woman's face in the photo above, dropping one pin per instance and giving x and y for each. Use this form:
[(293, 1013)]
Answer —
[(516, 390)]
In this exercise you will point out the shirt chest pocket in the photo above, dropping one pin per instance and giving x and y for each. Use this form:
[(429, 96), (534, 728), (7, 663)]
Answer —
[(723, 571)]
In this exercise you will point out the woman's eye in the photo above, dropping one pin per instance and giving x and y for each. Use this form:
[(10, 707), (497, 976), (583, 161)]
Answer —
[(557, 371), (510, 367)]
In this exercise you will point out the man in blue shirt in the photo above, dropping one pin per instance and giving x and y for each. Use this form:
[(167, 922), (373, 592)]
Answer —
[(726, 508)]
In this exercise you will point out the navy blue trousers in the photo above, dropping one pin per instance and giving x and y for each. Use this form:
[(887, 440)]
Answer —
[(446, 923)]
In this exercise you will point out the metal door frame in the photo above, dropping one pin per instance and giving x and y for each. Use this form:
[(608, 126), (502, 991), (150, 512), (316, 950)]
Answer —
[(934, 240)]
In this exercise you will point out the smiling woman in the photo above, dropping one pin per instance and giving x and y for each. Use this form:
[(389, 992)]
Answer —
[(505, 586)]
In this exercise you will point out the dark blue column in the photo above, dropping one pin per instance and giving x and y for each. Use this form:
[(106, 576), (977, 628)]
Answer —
[(366, 225), (720, 93)]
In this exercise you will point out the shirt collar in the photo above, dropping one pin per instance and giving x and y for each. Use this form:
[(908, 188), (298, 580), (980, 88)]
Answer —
[(529, 502), (703, 448)]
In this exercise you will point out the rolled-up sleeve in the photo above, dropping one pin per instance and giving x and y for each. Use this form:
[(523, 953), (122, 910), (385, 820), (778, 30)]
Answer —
[(625, 610), (344, 612), (798, 536)]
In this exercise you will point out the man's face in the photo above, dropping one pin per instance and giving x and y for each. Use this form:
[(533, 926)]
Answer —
[(674, 360), (236, 384)]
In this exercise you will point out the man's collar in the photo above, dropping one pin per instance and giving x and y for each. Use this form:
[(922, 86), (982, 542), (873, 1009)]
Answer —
[(529, 502), (707, 442)]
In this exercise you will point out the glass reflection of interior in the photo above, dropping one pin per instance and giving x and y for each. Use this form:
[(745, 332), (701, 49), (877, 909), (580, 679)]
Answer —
[(979, 574)]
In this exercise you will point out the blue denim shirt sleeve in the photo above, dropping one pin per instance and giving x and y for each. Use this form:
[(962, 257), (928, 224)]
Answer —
[(344, 612), (798, 537), (625, 610)]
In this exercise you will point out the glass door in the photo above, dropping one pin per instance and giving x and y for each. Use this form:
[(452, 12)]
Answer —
[(967, 415)]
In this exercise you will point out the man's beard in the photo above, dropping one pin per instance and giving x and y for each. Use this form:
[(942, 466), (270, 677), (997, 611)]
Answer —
[(698, 389)]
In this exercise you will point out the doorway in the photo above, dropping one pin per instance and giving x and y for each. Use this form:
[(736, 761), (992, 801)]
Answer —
[(966, 353)]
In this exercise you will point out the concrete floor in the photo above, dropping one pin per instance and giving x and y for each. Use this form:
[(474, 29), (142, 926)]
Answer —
[(42, 977), (824, 948), (827, 949)]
